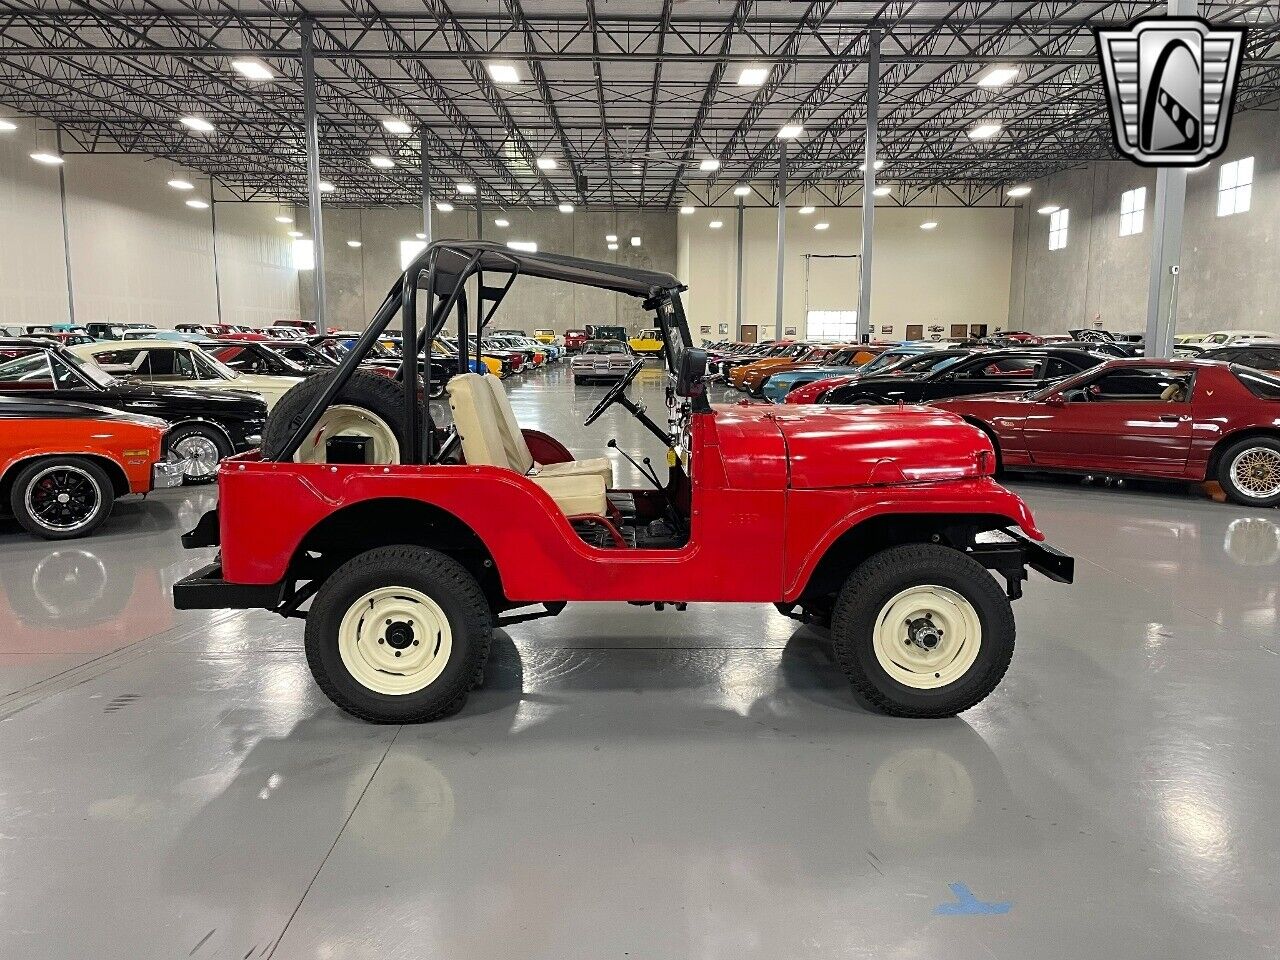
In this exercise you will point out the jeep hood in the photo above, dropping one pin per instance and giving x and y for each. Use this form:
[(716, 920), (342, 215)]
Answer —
[(830, 447)]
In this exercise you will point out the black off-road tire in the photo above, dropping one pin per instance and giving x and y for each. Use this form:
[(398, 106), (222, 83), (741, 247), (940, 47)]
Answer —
[(442, 579), (381, 396), (1229, 456), (878, 579), (32, 474)]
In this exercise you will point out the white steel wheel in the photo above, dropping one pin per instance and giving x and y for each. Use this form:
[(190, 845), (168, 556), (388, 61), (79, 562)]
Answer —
[(395, 640), (1255, 472), (197, 454), (345, 420), (927, 637)]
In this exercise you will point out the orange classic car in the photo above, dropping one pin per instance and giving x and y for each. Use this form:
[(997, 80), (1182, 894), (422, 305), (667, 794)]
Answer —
[(62, 465)]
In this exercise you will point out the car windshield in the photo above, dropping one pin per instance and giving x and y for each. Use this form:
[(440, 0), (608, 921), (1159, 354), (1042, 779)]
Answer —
[(609, 347), (38, 369), (885, 360)]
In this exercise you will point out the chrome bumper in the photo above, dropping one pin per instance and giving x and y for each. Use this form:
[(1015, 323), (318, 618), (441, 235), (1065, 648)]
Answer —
[(165, 474)]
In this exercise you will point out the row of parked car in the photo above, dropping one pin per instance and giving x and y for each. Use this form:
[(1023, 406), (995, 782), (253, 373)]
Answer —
[(1079, 406)]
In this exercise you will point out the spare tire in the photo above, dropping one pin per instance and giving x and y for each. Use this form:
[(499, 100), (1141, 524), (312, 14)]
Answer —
[(368, 405)]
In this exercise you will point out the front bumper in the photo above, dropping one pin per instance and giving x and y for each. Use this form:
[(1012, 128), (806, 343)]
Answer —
[(1009, 552), (165, 475)]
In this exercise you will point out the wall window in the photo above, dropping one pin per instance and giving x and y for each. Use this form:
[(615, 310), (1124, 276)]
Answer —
[(1235, 187), (304, 255), (410, 249), (1058, 228), (1133, 205), (838, 325)]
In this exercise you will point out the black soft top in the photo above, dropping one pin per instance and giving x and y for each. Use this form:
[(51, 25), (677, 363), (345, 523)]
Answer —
[(453, 255)]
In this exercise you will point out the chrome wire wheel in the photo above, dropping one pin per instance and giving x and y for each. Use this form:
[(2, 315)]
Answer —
[(1255, 471), (927, 637), (395, 640), (347, 420), (63, 498), (198, 456)]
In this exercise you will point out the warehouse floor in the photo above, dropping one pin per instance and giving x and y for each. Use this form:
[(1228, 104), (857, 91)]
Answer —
[(631, 783)]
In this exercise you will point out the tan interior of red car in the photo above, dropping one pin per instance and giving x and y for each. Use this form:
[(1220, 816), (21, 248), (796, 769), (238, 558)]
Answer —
[(518, 454), (478, 419)]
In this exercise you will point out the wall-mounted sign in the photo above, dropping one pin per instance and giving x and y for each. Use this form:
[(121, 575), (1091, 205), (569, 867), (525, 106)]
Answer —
[(788, 331), (935, 328), (887, 328)]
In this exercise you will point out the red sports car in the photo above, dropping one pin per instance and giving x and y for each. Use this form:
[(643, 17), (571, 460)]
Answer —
[(1175, 419)]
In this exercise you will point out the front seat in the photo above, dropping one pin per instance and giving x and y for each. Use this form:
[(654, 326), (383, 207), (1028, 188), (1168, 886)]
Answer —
[(521, 460), (1174, 393), (476, 421)]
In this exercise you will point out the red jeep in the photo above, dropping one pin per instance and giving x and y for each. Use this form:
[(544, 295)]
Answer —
[(393, 536)]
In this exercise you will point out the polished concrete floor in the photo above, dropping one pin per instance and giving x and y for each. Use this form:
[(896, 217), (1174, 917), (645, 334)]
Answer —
[(638, 784)]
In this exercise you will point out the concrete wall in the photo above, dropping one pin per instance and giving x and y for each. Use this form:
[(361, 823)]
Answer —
[(957, 273), (1229, 264), (136, 251), (358, 278)]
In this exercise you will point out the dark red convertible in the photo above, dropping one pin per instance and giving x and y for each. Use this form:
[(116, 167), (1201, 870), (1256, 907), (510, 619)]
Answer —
[(1175, 419)]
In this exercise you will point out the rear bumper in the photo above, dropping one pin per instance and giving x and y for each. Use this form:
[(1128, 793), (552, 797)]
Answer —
[(206, 590)]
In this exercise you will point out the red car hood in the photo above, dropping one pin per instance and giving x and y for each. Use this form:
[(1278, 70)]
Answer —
[(831, 447)]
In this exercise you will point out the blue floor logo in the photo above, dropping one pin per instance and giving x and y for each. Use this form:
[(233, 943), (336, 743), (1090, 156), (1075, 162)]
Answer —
[(967, 905)]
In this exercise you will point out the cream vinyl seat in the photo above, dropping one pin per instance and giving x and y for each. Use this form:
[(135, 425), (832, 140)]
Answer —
[(476, 418), (521, 460)]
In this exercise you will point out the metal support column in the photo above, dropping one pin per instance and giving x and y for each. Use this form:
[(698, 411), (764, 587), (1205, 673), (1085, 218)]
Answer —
[(425, 166), (312, 123), (737, 331), (1166, 242), (782, 233), (869, 188)]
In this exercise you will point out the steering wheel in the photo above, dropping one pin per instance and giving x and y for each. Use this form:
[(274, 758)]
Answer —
[(614, 395)]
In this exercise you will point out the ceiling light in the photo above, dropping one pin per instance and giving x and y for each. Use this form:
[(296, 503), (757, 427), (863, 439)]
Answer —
[(444, 207), (546, 163), (41, 156), (397, 126), (283, 219), (613, 246), (327, 187), (566, 208), (708, 165), (879, 165), (984, 131), (504, 73), (687, 210), (1021, 191), (611, 238), (179, 184), (197, 204), (743, 191), (353, 243), (821, 226), (527, 246), (997, 76), (502, 222), (253, 68), (882, 191), (753, 76), (468, 189), (421, 236), (198, 124), (296, 234), (716, 224), (635, 241), (1049, 208), (382, 163), (929, 225), (7, 125), (790, 131), (806, 210)]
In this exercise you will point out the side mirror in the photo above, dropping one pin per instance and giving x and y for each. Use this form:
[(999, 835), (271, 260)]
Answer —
[(1055, 400), (693, 368)]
